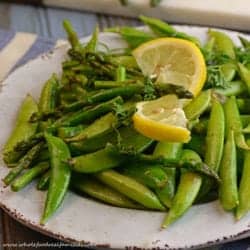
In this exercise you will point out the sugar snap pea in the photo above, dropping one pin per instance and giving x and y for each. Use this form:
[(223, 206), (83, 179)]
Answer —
[(107, 158), (161, 28), (228, 193), (245, 75), (233, 122), (214, 143), (171, 151), (187, 191), (60, 175), (23, 130), (130, 188), (96, 189), (215, 136), (29, 176), (48, 97), (223, 43), (198, 105), (152, 176), (100, 126), (244, 188), (132, 36), (92, 144), (66, 132)]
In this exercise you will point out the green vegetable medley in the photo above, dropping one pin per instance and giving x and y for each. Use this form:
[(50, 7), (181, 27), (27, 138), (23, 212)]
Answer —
[(80, 135)]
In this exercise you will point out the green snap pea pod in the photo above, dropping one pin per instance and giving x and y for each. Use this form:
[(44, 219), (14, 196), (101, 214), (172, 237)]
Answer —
[(223, 43), (161, 28), (23, 163), (97, 161), (43, 183), (121, 73), (48, 100), (88, 115), (171, 151), (197, 144), (234, 88), (132, 36), (99, 191), (100, 126), (198, 105), (130, 188), (22, 131), (233, 122), (201, 127), (60, 175), (229, 71), (29, 176), (244, 75), (166, 193), (215, 136), (106, 158), (66, 132), (152, 176), (228, 193), (225, 46), (244, 189), (214, 144), (48, 97), (186, 194), (92, 144)]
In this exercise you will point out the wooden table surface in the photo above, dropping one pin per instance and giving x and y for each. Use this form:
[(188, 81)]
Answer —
[(46, 22)]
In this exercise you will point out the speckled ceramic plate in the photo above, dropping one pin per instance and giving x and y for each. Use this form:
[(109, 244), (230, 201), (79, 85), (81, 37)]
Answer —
[(81, 220)]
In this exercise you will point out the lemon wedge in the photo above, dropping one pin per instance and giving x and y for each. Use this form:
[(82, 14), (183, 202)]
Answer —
[(162, 119), (173, 60)]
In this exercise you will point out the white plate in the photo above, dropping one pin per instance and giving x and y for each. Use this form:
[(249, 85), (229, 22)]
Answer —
[(95, 224)]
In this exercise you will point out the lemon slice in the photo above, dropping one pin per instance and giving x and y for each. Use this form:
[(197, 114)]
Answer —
[(173, 60), (162, 119)]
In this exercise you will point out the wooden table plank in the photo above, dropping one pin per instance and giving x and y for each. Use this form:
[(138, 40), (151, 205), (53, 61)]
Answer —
[(1, 230)]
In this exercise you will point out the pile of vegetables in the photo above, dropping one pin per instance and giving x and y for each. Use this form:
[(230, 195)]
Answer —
[(80, 134)]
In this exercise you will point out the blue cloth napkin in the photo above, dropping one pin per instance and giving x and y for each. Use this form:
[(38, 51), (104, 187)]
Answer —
[(18, 48)]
